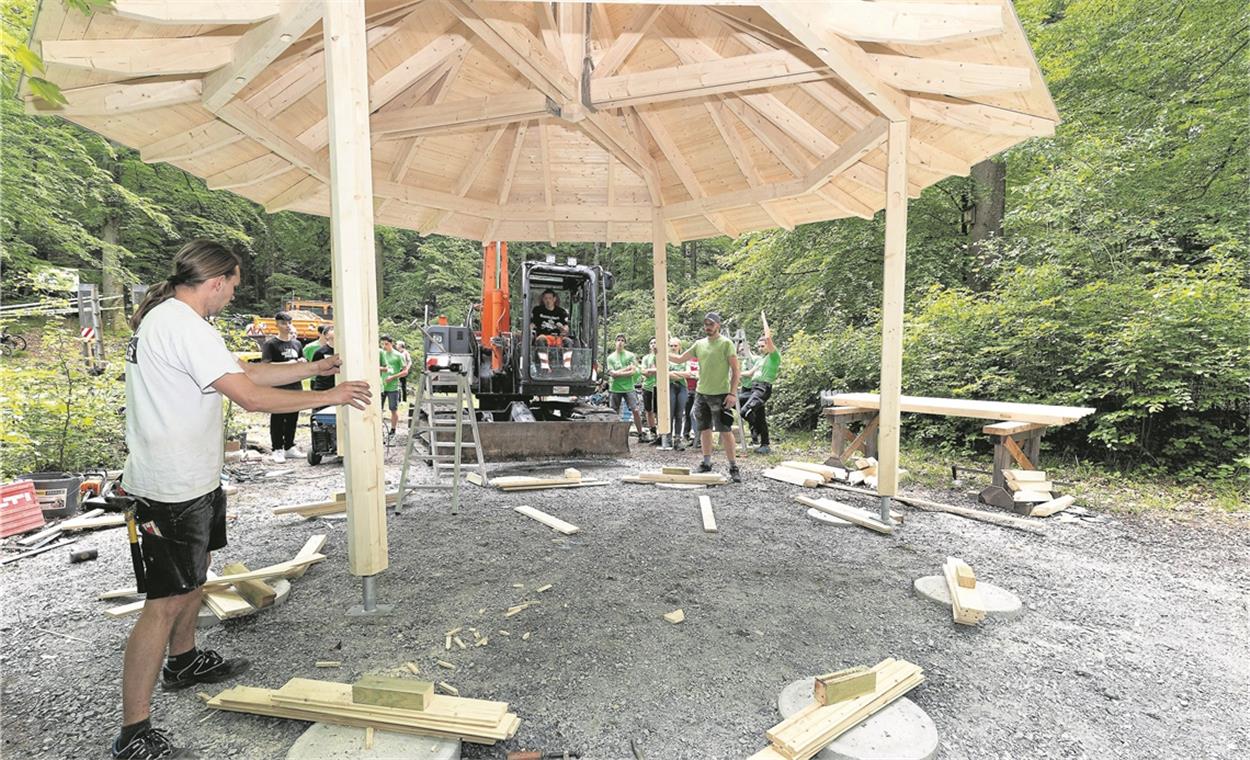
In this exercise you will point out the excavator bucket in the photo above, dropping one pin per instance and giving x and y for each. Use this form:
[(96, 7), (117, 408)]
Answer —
[(574, 439)]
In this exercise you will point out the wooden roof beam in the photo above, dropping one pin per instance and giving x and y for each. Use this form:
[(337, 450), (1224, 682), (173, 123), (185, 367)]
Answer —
[(573, 22), (191, 143), (477, 161), (390, 85), (955, 78), (118, 98), (980, 118), (514, 157), (244, 118), (626, 40), (251, 172), (668, 146), (742, 158), (143, 57), (196, 12), (411, 147), (544, 162), (696, 80), (847, 59), (882, 21), (258, 48), (458, 115)]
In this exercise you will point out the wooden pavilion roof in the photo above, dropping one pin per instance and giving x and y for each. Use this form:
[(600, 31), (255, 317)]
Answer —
[(562, 121)]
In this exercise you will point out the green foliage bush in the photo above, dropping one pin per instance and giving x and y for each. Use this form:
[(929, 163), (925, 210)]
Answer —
[(55, 415)]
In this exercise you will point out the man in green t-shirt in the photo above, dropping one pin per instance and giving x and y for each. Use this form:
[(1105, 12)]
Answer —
[(391, 366), (758, 388), (647, 366), (622, 368), (719, 375)]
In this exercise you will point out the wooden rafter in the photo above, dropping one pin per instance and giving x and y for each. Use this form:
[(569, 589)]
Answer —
[(217, 12), (980, 118), (742, 158), (197, 141), (249, 172), (544, 160), (143, 57), (408, 150), (258, 48), (956, 78), (627, 39), (689, 180), (119, 98), (459, 115), (477, 161)]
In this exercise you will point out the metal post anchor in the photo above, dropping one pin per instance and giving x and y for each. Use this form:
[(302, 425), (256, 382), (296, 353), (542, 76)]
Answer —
[(885, 510), (369, 607)]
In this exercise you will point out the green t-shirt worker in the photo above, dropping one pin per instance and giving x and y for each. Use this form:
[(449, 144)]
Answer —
[(391, 366), (649, 403), (757, 387), (719, 376), (623, 366)]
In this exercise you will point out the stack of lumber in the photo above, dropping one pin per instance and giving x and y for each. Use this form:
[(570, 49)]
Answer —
[(811, 729), (862, 470), (860, 517), (472, 720), (961, 583), (240, 591), (570, 479), (1029, 486), (674, 475), (335, 506), (798, 476), (859, 471)]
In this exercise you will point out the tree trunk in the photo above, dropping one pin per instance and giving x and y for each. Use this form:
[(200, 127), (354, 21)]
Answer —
[(989, 203), (693, 258), (110, 266)]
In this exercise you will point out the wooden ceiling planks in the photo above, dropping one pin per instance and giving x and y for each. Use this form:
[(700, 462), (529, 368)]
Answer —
[(706, 146)]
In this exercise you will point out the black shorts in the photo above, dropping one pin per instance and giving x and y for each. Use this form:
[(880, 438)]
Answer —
[(710, 413), (176, 538), (648, 400)]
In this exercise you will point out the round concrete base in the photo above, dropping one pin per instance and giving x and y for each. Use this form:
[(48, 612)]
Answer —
[(206, 618), (827, 518), (326, 741), (998, 601), (902, 731)]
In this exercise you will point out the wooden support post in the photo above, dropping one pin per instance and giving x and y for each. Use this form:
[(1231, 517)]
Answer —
[(355, 280), (892, 307), (659, 275)]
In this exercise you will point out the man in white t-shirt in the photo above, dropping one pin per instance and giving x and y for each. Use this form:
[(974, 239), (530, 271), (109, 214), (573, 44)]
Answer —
[(177, 370)]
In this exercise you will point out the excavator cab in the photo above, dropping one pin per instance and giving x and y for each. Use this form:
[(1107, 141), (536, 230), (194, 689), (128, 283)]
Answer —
[(559, 360)]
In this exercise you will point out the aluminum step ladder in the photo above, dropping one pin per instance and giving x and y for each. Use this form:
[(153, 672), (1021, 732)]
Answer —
[(437, 423)]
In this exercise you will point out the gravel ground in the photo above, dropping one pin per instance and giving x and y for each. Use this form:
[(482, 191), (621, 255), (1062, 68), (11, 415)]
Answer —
[(1133, 641)]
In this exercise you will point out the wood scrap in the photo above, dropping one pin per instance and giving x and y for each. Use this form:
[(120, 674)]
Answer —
[(82, 522), (1031, 497), (793, 477), (709, 517), (572, 473), (675, 470), (1046, 509), (966, 605), (1026, 475), (226, 603), (842, 685), (329, 664), (860, 517), (550, 521), (369, 737), (40, 537), (541, 589), (388, 691), (676, 616), (33, 552), (1030, 485), (965, 576), (452, 690), (412, 668)]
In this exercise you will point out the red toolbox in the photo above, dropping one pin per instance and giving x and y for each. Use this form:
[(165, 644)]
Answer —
[(19, 508)]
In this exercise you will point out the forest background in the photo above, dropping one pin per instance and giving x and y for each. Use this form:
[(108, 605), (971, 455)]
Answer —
[(1106, 266)]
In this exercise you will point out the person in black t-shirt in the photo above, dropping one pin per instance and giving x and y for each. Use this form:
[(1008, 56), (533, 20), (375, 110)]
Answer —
[(550, 322), (280, 350), (324, 382)]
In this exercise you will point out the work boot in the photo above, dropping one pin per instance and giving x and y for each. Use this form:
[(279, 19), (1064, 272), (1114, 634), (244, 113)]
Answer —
[(679, 444), (705, 467), (765, 449), (207, 667), (734, 474), (149, 745)]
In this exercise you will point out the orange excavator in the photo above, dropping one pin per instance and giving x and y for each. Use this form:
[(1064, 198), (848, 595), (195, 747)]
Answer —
[(531, 383)]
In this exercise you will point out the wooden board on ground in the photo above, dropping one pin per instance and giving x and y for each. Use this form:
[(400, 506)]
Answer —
[(547, 486), (1028, 497), (675, 470), (226, 603), (694, 477), (1030, 485), (709, 517), (388, 691), (826, 472), (1046, 509), (550, 521), (313, 545), (793, 477), (258, 593), (807, 732), (82, 522), (966, 605), (860, 517), (273, 571)]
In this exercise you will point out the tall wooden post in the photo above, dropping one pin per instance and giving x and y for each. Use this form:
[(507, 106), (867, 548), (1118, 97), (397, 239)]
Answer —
[(355, 280), (659, 277), (892, 312)]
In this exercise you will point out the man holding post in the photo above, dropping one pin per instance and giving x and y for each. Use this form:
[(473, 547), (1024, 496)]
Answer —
[(177, 370)]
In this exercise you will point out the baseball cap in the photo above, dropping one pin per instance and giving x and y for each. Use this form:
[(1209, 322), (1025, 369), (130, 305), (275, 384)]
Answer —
[(712, 317)]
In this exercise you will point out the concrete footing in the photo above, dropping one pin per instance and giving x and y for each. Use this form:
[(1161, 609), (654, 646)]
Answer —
[(326, 741), (902, 731), (999, 602)]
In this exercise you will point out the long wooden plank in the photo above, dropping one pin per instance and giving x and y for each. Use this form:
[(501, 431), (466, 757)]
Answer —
[(550, 521), (860, 517), (1043, 414), (118, 98), (258, 48), (272, 571), (709, 517), (313, 545), (794, 477), (825, 472), (143, 57), (966, 605), (1051, 507)]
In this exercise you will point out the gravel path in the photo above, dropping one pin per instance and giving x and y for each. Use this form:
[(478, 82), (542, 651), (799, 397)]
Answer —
[(1133, 642)]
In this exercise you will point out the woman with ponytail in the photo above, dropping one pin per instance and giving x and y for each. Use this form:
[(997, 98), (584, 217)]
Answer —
[(177, 370)]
